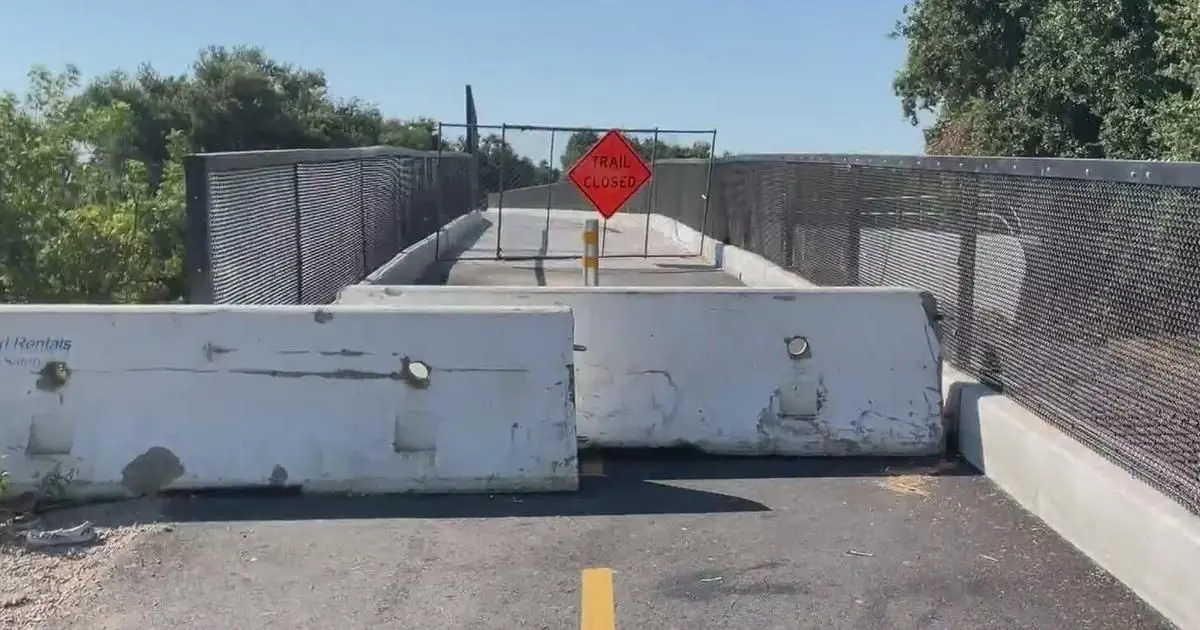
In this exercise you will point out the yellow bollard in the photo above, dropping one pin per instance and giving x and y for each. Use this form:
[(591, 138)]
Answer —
[(591, 253)]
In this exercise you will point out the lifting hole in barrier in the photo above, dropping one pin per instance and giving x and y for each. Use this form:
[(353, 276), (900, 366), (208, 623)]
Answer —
[(415, 373), (797, 347), (53, 375)]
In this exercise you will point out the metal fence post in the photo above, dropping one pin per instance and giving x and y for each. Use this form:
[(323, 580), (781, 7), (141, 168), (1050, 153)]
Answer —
[(854, 228), (549, 201), (707, 196), (500, 195), (297, 221), (362, 218), (790, 207), (196, 254), (650, 194), (964, 330), (441, 201)]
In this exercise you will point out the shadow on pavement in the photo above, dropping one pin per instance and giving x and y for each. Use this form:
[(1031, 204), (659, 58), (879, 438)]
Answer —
[(612, 483), (680, 464), (684, 267)]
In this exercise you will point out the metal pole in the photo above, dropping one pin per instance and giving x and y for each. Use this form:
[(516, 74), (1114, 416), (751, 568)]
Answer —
[(591, 257), (712, 155), (500, 198), (298, 226), (549, 196), (362, 219), (650, 194), (437, 228)]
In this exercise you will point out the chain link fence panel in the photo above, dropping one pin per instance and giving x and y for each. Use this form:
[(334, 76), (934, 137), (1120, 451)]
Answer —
[(1070, 285), (294, 227)]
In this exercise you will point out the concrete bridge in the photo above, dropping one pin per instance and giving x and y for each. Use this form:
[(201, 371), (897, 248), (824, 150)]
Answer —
[(791, 402)]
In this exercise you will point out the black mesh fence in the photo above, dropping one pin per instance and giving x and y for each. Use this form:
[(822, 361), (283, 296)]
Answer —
[(1073, 286), (294, 227)]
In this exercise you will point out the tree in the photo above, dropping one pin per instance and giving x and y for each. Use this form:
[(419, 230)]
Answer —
[(240, 99), (1178, 116), (578, 144), (91, 188), (1035, 77), (580, 141), (72, 228), (501, 168), (418, 133)]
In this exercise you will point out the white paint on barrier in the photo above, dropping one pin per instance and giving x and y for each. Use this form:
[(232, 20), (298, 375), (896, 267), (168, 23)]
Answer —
[(711, 368), (126, 400)]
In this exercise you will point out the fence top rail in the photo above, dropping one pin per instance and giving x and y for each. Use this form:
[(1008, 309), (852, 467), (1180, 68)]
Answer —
[(569, 129), (1183, 174), (237, 160)]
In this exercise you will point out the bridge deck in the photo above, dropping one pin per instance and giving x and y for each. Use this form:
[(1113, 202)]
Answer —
[(695, 543), (537, 252)]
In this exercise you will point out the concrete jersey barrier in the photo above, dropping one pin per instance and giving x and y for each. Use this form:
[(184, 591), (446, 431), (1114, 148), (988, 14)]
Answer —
[(745, 371), (131, 400)]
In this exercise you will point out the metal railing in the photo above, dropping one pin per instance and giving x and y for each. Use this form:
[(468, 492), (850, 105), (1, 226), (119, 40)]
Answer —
[(295, 226)]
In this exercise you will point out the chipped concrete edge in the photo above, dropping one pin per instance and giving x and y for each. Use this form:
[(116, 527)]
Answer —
[(1136, 533), (409, 265)]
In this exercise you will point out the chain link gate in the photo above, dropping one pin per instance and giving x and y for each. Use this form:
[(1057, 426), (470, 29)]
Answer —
[(522, 173)]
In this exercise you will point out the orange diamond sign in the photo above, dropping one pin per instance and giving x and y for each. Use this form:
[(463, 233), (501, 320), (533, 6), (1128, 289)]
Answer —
[(610, 173)]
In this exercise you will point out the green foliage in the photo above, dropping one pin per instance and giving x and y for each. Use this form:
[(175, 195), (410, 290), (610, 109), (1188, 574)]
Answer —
[(501, 167), (648, 148), (75, 227), (1178, 122), (1064, 78), (91, 185)]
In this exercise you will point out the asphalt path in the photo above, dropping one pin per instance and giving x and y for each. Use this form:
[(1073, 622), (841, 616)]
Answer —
[(652, 543)]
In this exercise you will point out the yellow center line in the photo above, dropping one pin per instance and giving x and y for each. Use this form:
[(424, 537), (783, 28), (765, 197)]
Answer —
[(598, 607)]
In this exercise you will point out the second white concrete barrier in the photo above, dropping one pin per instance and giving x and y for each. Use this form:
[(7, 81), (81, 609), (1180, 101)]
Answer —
[(816, 372), (132, 400)]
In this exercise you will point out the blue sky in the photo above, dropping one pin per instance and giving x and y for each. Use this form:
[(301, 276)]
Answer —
[(769, 75)]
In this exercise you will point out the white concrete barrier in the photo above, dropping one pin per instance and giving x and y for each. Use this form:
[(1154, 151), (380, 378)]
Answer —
[(815, 372), (408, 266), (131, 400)]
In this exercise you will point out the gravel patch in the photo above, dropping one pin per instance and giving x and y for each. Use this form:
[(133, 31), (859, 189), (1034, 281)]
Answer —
[(44, 588)]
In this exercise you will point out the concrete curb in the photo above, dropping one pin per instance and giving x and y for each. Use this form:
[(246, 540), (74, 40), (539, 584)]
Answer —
[(1139, 535), (409, 265), (1133, 531)]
